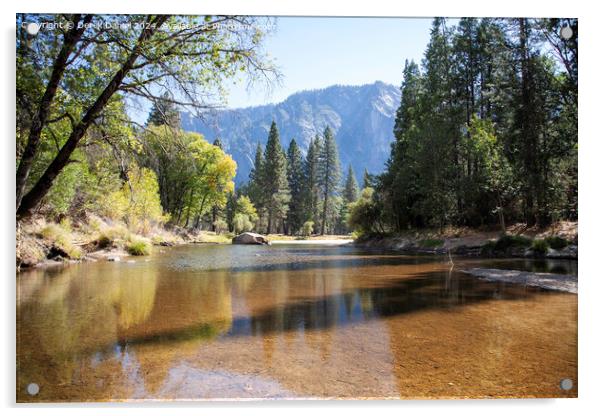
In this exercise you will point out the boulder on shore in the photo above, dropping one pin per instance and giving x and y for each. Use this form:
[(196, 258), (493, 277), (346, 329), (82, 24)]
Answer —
[(250, 238)]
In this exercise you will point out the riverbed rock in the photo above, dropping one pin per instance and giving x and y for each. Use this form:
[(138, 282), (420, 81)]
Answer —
[(551, 281), (250, 238), (570, 252)]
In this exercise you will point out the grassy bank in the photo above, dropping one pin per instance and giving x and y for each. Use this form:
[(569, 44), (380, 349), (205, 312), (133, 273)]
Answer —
[(42, 242)]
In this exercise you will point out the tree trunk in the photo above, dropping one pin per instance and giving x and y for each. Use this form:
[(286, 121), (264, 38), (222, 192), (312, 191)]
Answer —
[(188, 208), (323, 228), (39, 121), (33, 198), (501, 216)]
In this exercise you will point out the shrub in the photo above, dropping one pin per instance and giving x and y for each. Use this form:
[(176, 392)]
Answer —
[(111, 235), (220, 226), (365, 214), (307, 229), (557, 243), (137, 246), (512, 241), (242, 223), (430, 243), (165, 239), (62, 240), (540, 247)]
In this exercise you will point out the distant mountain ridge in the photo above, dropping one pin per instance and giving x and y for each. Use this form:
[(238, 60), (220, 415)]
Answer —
[(361, 117)]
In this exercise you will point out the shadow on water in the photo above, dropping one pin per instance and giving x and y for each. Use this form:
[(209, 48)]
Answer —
[(424, 291)]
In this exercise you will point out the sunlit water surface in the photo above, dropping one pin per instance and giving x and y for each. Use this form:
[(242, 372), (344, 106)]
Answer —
[(219, 322)]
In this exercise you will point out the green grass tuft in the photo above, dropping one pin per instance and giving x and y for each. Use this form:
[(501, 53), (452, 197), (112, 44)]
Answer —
[(540, 247), (62, 239), (138, 247)]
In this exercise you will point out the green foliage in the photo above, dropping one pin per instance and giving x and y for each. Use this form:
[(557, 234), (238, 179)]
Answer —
[(311, 189), (269, 182), (365, 214), (295, 215), (430, 243), (245, 206), (245, 215), (72, 85), (255, 190), (220, 226), (136, 202), (540, 247), (137, 246), (367, 180), (142, 192), (329, 173), (351, 190), (193, 175), (486, 130), (512, 241), (242, 223), (289, 190), (556, 242), (164, 112), (307, 229)]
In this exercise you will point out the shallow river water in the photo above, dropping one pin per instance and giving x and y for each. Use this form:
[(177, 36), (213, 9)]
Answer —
[(290, 321)]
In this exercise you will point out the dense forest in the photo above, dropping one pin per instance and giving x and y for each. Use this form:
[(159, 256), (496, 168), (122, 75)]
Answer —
[(300, 195), (485, 134)]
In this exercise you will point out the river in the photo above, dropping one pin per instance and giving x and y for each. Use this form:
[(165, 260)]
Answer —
[(290, 321)]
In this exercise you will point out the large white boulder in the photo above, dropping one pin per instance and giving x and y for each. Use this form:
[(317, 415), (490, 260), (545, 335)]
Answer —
[(250, 238)]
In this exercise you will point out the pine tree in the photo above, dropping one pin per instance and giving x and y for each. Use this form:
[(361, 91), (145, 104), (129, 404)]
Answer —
[(396, 184), (349, 196), (367, 180), (275, 183), (256, 178), (295, 217), (311, 191), (437, 155), (351, 192), (164, 112), (328, 175)]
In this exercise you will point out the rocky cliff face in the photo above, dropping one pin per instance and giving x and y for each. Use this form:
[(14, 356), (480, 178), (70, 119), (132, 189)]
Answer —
[(361, 117)]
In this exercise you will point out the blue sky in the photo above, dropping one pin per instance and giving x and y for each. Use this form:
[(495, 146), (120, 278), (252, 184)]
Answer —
[(315, 52)]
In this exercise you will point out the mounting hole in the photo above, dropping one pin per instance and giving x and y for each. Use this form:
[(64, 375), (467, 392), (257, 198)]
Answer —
[(566, 384), (33, 389), (566, 32), (32, 28)]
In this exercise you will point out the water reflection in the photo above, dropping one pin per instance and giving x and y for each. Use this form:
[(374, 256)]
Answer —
[(262, 322)]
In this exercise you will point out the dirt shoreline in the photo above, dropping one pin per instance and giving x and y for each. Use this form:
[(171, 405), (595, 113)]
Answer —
[(118, 253), (519, 242)]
